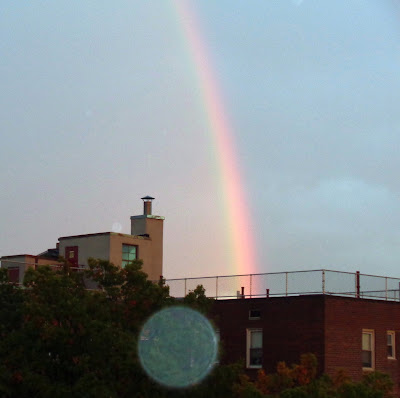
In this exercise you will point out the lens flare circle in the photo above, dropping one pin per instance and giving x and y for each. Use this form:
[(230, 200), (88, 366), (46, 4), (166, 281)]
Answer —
[(116, 227), (177, 347)]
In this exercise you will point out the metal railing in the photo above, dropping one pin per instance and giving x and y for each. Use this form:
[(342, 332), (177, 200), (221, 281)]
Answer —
[(272, 284), (292, 283)]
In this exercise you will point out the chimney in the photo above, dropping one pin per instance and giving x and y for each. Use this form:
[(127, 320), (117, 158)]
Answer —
[(149, 228), (147, 200)]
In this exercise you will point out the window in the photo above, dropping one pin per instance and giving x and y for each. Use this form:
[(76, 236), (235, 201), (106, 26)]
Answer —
[(71, 255), (13, 274), (254, 348), (391, 347), (129, 253), (254, 314), (368, 349)]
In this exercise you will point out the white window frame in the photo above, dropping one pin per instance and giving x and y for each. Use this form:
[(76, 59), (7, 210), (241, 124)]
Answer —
[(393, 334), (248, 347), (371, 333)]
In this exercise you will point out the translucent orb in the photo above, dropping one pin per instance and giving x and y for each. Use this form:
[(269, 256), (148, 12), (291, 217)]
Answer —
[(177, 347), (116, 227)]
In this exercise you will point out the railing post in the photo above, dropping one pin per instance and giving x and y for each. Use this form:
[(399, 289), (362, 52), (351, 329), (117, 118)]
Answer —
[(323, 281), (386, 290), (216, 288), (185, 288), (267, 292), (358, 284), (286, 274), (242, 291), (251, 278)]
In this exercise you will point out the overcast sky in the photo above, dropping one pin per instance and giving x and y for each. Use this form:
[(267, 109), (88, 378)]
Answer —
[(99, 106)]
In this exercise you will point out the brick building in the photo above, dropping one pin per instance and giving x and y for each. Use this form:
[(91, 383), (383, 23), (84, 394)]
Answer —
[(354, 334), (145, 242)]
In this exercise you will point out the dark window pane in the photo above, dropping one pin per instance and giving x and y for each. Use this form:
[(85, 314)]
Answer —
[(255, 314), (367, 359), (255, 356), (389, 339)]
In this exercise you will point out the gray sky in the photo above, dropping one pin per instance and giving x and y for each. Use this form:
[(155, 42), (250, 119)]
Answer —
[(99, 106)]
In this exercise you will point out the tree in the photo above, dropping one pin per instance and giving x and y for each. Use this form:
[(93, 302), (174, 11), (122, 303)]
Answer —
[(11, 319), (198, 300), (60, 339), (69, 341), (301, 381)]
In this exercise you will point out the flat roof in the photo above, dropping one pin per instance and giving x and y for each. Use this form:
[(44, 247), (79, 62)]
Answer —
[(103, 233), (148, 216), (17, 255)]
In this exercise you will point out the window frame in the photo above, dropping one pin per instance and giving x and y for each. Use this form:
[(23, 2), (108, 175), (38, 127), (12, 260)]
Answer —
[(249, 333), (122, 254), (393, 345), (72, 255), (371, 333), (252, 317)]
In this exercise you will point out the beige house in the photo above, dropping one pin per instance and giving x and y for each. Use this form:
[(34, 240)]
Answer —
[(18, 264), (145, 242)]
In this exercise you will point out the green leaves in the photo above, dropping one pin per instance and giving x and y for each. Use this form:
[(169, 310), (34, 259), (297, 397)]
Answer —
[(59, 339), (300, 381)]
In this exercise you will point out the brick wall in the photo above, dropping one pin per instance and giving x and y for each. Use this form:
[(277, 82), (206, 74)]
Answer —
[(328, 326), (345, 318), (291, 326)]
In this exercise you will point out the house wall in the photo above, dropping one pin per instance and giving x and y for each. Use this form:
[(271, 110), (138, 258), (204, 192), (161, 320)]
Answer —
[(153, 226), (345, 318), (139, 225), (94, 245), (108, 246), (22, 262), (328, 326), (151, 263), (291, 326), (46, 261)]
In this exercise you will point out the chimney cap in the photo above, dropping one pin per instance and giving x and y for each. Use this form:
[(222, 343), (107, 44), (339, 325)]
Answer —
[(147, 198)]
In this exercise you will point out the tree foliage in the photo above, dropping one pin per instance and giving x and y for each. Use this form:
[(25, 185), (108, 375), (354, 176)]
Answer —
[(198, 300), (59, 339), (301, 381)]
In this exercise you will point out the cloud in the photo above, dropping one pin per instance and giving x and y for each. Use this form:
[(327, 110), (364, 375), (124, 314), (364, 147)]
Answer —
[(338, 222)]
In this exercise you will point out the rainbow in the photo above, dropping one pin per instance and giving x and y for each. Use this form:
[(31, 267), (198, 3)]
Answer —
[(240, 237)]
